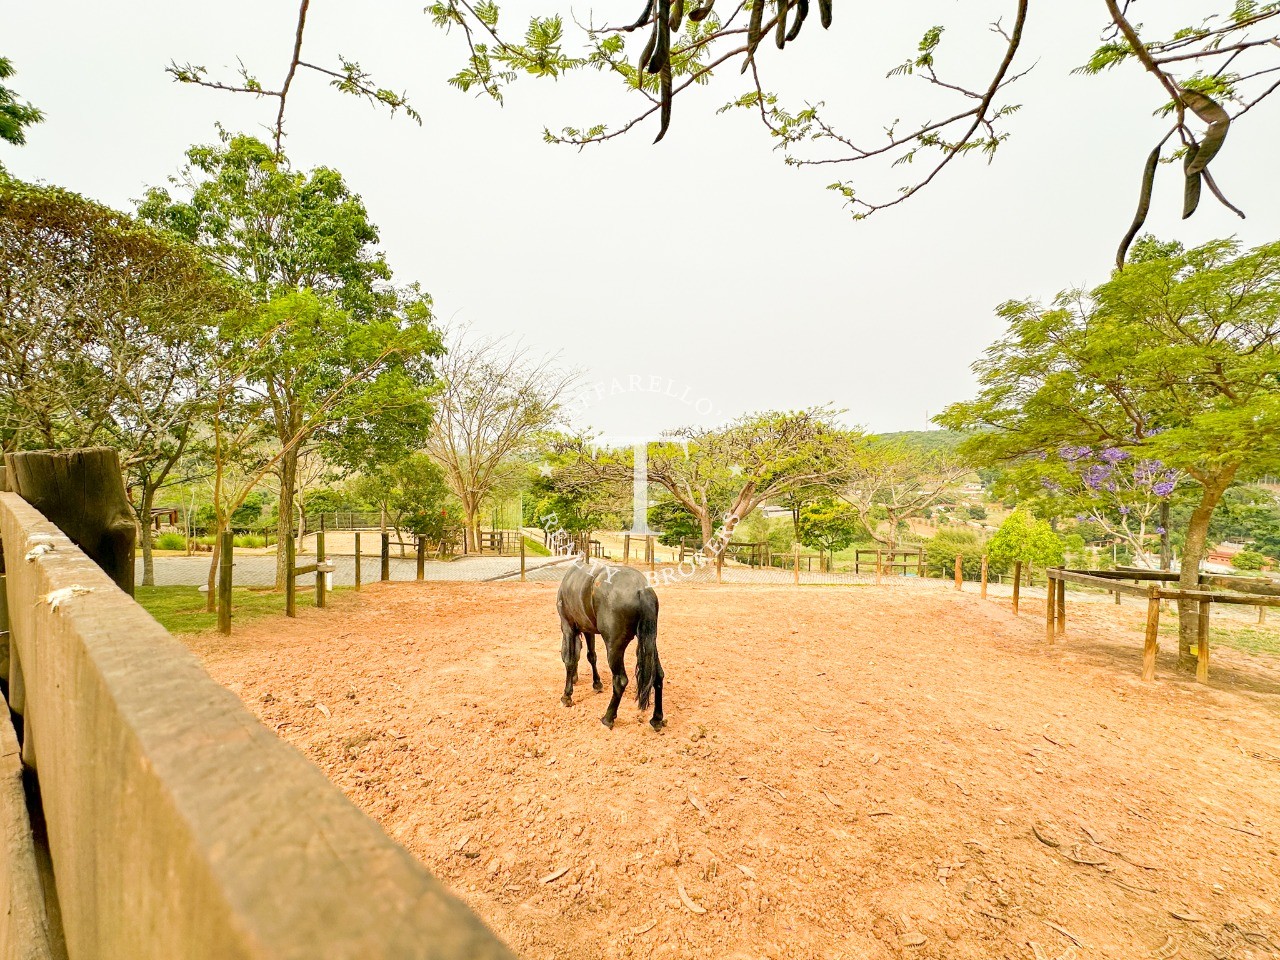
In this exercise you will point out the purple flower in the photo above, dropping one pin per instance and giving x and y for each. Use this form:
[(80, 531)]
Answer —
[(1096, 475), (1079, 516), (1049, 485), (1124, 511), (1161, 530), (1163, 488), (1074, 453), (1113, 455)]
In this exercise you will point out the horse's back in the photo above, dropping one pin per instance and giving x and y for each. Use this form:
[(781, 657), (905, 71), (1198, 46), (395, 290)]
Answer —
[(589, 588)]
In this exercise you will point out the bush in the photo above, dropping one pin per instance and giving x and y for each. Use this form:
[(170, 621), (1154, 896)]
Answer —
[(171, 541), (1249, 560), (941, 552), (249, 540)]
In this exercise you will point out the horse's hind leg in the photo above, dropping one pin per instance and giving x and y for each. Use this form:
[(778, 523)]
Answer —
[(569, 653), (657, 721), (618, 668), (591, 658)]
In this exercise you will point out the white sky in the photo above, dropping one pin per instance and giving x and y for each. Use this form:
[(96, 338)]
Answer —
[(723, 280)]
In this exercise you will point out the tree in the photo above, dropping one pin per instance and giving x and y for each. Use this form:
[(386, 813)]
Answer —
[(15, 115), (327, 319), (892, 481), (757, 458), (412, 493), (494, 403), (1227, 56), (1174, 360), (105, 337), (1024, 538), (830, 524), (942, 549)]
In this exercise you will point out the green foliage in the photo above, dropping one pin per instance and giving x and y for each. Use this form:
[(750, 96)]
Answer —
[(250, 541), (1023, 537), (676, 522), (171, 541), (1175, 359), (942, 549), (1249, 560), (414, 493), (831, 525), (14, 114)]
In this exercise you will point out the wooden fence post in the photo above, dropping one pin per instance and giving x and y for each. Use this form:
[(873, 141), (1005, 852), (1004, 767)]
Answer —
[(1017, 584), (81, 492), (319, 560), (357, 559), (959, 571), (522, 556), (1153, 632), (879, 565), (720, 567), (1050, 613), (1262, 614), (1062, 606), (795, 573), (626, 548), (984, 577), (422, 559), (225, 559), (1202, 643), (290, 583), (651, 548), (386, 557)]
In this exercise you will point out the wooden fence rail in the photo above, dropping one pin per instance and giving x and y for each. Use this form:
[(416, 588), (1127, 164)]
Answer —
[(179, 827)]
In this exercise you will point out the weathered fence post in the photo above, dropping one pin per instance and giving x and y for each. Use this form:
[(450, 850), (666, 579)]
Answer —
[(1050, 613), (422, 559), (1262, 614), (720, 566), (1152, 636), (682, 549), (1062, 606), (358, 578), (626, 548), (290, 583), (983, 594), (795, 574), (1017, 584), (225, 560), (1202, 643), (959, 571), (879, 565), (522, 556), (386, 557), (651, 549), (81, 492), (319, 563)]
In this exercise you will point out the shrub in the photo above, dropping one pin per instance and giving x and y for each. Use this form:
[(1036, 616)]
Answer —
[(249, 540), (171, 541), (942, 550), (1249, 560)]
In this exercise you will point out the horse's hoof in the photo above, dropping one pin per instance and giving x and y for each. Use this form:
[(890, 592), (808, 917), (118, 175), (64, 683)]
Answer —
[(567, 701), (657, 724), (607, 722), (597, 686)]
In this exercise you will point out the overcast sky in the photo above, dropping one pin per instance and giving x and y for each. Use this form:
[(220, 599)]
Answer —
[(693, 280)]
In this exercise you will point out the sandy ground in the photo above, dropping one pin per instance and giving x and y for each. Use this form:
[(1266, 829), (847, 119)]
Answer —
[(847, 772)]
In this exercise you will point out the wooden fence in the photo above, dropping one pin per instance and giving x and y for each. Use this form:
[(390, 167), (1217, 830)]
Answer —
[(178, 827), (1232, 590)]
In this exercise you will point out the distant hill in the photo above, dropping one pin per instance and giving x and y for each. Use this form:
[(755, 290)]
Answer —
[(924, 439)]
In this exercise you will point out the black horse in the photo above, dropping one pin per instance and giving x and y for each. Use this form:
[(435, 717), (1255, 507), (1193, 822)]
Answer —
[(618, 604)]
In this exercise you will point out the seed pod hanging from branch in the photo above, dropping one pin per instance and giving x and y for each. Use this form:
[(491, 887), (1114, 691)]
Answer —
[(700, 14), (644, 18), (1191, 189), (1219, 122), (1144, 204)]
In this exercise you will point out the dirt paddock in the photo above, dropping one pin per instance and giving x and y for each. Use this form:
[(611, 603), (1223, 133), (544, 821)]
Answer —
[(846, 772)]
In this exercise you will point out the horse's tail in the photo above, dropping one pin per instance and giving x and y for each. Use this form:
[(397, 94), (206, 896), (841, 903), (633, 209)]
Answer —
[(646, 646)]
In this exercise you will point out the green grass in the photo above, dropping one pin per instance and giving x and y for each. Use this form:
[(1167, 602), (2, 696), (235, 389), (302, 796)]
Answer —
[(182, 609), (1248, 639), (533, 548)]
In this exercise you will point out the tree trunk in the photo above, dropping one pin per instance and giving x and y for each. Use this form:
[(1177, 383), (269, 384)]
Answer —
[(82, 493), (144, 527), (211, 598), (284, 517), (1193, 554), (704, 521)]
